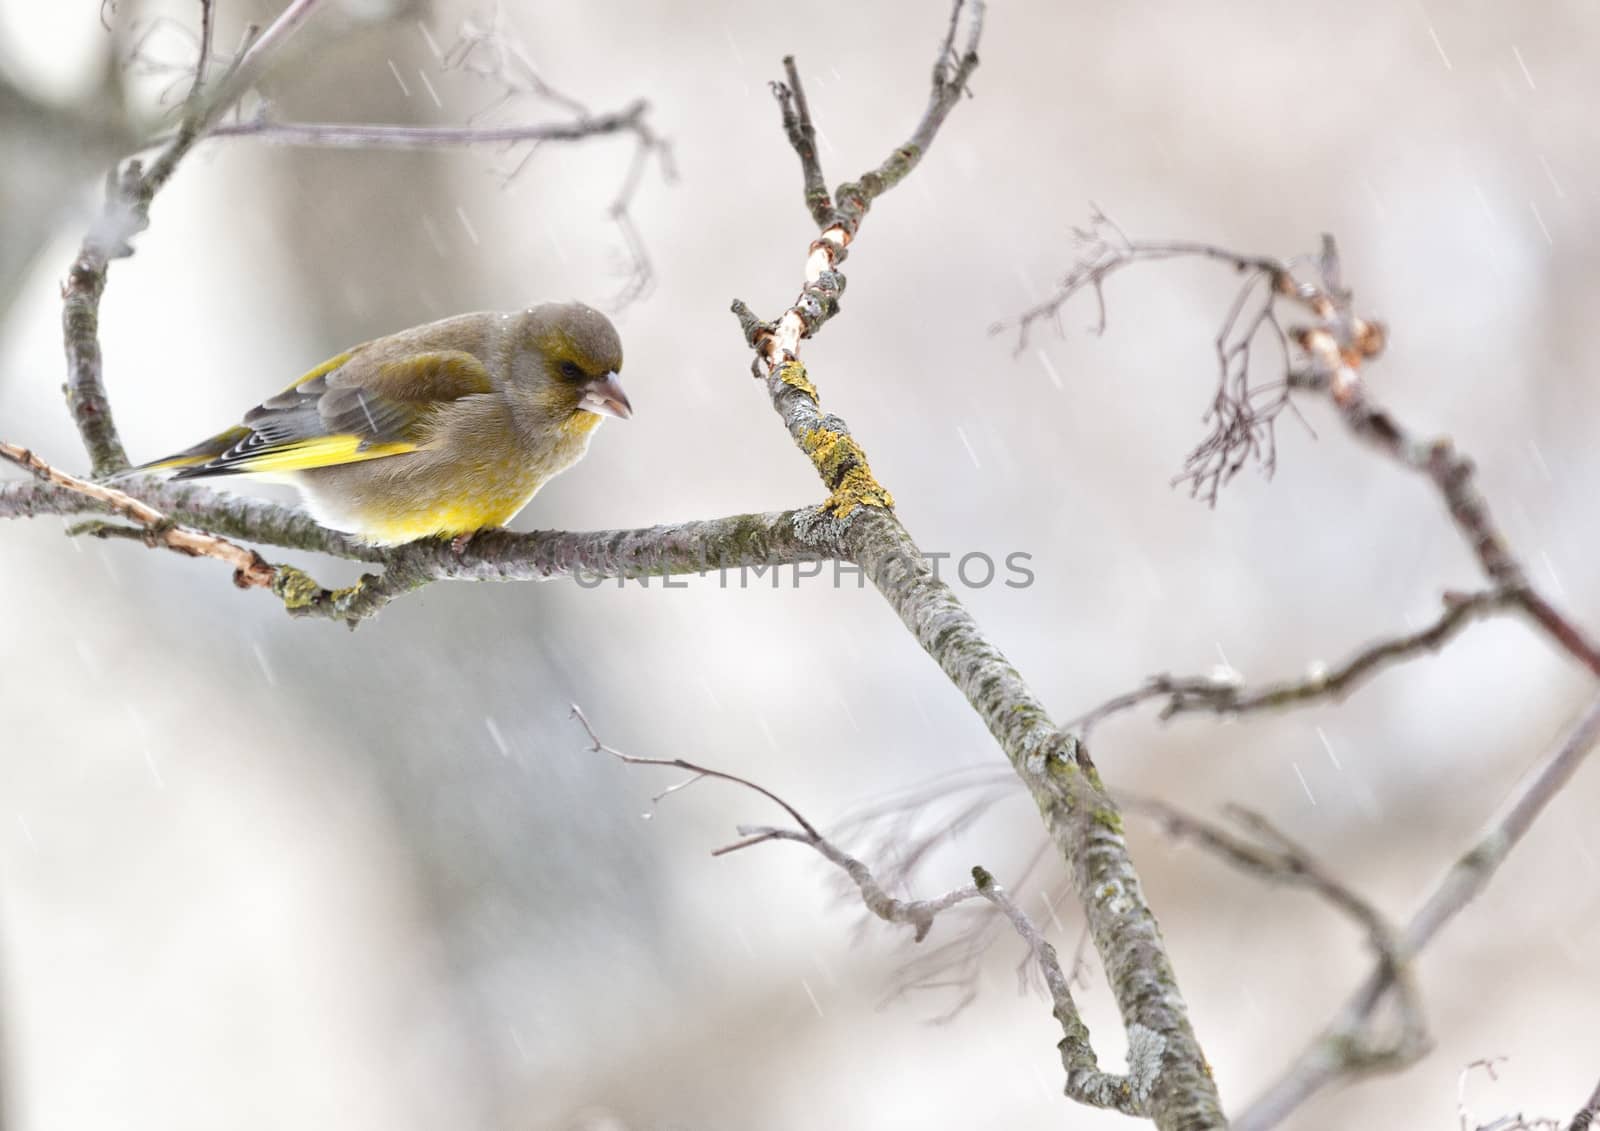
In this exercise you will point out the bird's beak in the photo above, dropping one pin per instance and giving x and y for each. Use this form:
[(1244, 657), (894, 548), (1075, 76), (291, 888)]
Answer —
[(604, 397)]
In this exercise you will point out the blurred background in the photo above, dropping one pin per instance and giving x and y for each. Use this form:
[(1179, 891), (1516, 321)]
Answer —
[(258, 873)]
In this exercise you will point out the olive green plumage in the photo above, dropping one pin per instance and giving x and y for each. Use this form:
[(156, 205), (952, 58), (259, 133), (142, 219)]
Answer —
[(442, 429)]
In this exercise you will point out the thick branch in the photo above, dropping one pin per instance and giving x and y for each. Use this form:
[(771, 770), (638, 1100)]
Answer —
[(758, 543), (1344, 1048), (755, 542), (1082, 820)]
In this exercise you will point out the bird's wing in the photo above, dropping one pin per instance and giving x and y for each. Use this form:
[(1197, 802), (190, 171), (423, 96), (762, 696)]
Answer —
[(357, 406)]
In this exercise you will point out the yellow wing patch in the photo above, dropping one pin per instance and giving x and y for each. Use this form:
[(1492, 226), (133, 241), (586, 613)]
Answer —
[(321, 451), (325, 368)]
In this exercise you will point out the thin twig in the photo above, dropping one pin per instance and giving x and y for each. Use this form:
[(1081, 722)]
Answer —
[(250, 570), (491, 51), (1589, 1113), (1223, 693), (129, 193), (1331, 353), (791, 96), (1454, 476), (1344, 1048), (1275, 857), (1085, 1082), (254, 60), (339, 135), (632, 760)]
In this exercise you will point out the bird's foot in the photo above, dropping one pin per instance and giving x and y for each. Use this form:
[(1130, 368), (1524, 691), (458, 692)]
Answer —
[(459, 544)]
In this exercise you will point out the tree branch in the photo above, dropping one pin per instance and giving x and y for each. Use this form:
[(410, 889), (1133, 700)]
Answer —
[(155, 529), (129, 193), (1589, 1113), (1453, 475), (1082, 819), (1222, 693), (803, 137), (1327, 358), (759, 542), (1345, 1048), (1086, 1083), (356, 135)]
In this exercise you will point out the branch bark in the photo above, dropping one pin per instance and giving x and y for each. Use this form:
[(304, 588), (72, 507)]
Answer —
[(250, 570), (1344, 1047), (1080, 816), (737, 542), (1086, 1083), (1223, 694)]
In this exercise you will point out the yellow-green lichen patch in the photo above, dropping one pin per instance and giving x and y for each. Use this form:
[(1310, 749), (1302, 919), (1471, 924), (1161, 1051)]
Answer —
[(843, 467), (1109, 819), (296, 588), (793, 374), (859, 489)]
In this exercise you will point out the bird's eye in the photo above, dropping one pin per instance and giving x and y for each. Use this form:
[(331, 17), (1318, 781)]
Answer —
[(571, 370)]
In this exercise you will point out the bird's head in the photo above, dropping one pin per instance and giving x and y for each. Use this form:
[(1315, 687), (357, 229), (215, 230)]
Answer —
[(567, 356)]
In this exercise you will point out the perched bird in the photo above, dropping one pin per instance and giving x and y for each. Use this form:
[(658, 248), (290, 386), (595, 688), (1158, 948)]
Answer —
[(443, 429)]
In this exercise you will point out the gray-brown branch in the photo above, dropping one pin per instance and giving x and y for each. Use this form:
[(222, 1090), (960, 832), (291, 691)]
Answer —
[(1086, 1083), (1222, 694), (759, 543), (1346, 1048), (1081, 818)]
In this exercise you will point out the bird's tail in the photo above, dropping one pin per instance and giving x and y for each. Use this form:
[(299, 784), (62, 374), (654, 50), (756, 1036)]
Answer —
[(190, 463)]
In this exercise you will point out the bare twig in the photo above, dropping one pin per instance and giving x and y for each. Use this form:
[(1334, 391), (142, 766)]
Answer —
[(250, 570), (803, 137), (1272, 856), (491, 51), (129, 193), (777, 342), (1328, 357), (1469, 1122), (1454, 476), (1275, 857), (1242, 414), (255, 58), (905, 829), (678, 763), (340, 135), (1085, 1082), (1223, 693), (1329, 1056), (1589, 1113)]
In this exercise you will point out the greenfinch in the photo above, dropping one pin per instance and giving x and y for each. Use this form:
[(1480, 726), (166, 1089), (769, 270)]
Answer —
[(440, 430)]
